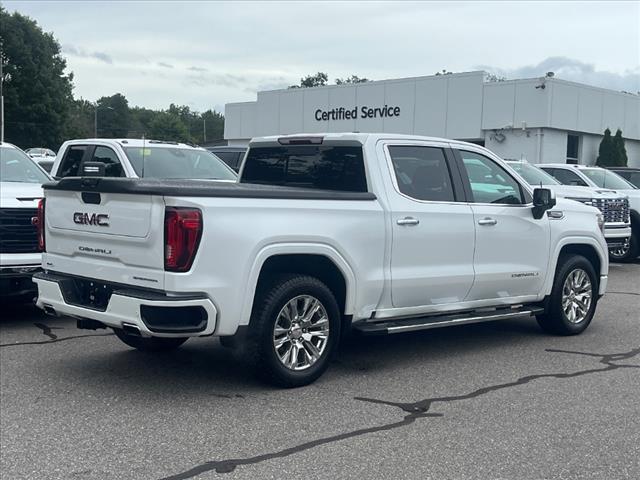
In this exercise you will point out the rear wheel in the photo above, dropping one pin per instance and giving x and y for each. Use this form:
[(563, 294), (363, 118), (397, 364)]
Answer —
[(295, 327), (151, 344), (573, 298)]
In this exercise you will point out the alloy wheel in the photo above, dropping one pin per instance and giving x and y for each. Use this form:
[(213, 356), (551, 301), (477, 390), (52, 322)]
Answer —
[(301, 332), (577, 293)]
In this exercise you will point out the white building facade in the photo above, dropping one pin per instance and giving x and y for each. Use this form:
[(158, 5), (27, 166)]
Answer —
[(540, 120)]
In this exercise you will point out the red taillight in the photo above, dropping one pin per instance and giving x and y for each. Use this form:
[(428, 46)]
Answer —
[(182, 232), (38, 222)]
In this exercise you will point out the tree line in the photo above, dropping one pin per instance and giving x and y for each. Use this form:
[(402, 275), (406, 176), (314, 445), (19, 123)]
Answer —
[(41, 111)]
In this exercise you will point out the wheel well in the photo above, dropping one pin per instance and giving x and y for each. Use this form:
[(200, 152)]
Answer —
[(317, 266), (635, 221), (586, 251)]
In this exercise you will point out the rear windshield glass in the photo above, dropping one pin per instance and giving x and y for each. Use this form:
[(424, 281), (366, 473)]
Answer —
[(16, 166), (307, 166), (167, 162)]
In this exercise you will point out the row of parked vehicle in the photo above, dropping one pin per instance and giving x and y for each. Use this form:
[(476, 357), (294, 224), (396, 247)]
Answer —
[(317, 236)]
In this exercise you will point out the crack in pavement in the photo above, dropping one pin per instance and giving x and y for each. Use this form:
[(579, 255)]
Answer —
[(56, 340), (414, 411)]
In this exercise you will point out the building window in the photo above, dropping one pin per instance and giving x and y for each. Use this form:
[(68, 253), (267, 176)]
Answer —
[(573, 147)]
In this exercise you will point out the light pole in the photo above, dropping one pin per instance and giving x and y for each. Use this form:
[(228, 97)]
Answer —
[(1, 98), (204, 129), (95, 118), (1, 93)]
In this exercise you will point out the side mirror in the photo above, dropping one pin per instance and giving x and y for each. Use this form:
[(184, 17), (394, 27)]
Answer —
[(93, 169), (543, 199)]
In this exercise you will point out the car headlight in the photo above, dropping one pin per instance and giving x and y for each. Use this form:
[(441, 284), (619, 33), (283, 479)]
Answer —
[(600, 220)]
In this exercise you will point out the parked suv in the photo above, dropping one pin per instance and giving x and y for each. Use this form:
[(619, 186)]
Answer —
[(597, 177), (20, 192), (135, 158), (630, 174), (381, 233), (232, 156), (617, 227)]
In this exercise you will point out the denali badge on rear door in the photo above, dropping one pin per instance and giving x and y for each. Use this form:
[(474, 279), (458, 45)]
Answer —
[(100, 219)]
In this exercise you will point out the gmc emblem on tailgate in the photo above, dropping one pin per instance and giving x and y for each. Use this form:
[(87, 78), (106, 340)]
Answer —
[(100, 219)]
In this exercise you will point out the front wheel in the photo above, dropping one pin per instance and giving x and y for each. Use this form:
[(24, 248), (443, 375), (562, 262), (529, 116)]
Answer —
[(573, 298), (294, 328), (151, 344), (627, 252)]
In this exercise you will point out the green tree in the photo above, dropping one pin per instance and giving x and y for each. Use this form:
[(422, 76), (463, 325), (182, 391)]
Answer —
[(214, 125), (140, 121), (113, 117), (80, 121), (351, 79), (37, 91), (167, 125), (606, 151), (318, 80), (619, 149)]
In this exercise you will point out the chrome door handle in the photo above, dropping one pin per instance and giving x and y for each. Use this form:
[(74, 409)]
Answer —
[(487, 221), (408, 221)]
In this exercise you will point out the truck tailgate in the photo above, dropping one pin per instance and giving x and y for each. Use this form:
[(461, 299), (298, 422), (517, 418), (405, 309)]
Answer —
[(114, 237)]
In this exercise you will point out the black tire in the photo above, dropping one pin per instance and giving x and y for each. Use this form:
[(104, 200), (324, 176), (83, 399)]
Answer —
[(631, 253), (152, 344), (555, 320), (259, 349)]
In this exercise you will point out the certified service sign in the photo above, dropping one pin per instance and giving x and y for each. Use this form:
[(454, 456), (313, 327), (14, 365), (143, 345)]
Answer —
[(343, 113)]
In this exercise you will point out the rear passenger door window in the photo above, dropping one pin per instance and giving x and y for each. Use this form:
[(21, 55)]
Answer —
[(112, 165), (422, 173), (71, 162), (489, 182), (566, 177)]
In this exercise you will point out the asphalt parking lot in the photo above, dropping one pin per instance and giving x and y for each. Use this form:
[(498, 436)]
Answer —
[(496, 400)]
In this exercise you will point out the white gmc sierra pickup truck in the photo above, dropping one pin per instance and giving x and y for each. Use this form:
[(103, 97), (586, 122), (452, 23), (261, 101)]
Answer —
[(378, 233)]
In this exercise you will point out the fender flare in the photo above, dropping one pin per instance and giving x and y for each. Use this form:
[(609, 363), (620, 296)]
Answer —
[(275, 249), (563, 242)]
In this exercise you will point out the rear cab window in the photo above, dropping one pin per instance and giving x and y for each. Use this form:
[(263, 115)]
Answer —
[(72, 161), (230, 158), (321, 167), (110, 160)]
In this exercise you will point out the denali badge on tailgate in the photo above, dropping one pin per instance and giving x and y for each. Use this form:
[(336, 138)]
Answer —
[(100, 219)]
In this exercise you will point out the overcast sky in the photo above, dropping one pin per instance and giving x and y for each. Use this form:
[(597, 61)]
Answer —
[(205, 54)]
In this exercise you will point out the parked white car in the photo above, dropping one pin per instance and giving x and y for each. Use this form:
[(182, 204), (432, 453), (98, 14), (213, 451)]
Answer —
[(381, 233), (614, 206), (40, 153), (135, 158), (20, 192), (596, 177)]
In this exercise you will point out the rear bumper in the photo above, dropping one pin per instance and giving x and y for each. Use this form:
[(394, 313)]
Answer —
[(154, 314), (15, 280)]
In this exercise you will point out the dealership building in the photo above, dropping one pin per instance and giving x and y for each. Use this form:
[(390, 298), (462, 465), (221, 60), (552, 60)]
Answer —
[(540, 119)]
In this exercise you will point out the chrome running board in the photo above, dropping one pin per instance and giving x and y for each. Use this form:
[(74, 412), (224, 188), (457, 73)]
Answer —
[(370, 327)]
